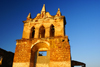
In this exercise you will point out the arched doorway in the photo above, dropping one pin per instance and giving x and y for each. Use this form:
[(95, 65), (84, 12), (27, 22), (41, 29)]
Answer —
[(37, 59)]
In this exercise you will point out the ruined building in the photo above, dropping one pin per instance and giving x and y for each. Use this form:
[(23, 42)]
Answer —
[(43, 42), (6, 58)]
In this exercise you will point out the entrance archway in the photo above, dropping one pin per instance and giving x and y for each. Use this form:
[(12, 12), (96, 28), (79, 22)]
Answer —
[(37, 59)]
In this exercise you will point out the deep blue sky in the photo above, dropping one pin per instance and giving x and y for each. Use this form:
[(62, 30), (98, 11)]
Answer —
[(82, 28)]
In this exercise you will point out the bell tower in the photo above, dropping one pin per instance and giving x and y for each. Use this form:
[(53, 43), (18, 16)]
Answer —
[(43, 42)]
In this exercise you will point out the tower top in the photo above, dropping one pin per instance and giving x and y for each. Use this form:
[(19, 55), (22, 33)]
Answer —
[(58, 12), (58, 9), (43, 8), (44, 15), (29, 15)]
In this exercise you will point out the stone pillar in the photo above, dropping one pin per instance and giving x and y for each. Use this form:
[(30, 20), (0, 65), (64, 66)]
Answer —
[(36, 33)]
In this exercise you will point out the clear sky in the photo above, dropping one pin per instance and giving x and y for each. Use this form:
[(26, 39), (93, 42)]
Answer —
[(82, 28)]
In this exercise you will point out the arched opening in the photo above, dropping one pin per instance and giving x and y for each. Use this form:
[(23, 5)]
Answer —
[(36, 58), (32, 34), (52, 30), (42, 32)]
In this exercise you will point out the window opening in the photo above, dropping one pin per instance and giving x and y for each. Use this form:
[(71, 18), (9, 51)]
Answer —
[(52, 30), (42, 32), (42, 53)]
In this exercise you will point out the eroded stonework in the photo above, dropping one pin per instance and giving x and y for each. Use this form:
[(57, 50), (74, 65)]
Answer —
[(44, 33)]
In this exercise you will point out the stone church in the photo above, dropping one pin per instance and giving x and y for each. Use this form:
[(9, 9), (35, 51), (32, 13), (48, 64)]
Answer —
[(43, 42)]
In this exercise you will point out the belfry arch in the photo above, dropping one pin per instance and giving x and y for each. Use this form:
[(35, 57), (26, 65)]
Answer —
[(42, 32), (35, 59), (32, 32), (52, 30)]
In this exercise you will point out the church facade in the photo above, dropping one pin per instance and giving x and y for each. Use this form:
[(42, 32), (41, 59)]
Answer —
[(43, 42)]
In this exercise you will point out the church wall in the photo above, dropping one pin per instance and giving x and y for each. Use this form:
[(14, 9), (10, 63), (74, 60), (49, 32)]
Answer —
[(59, 50), (26, 31), (22, 54), (60, 64), (21, 64)]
